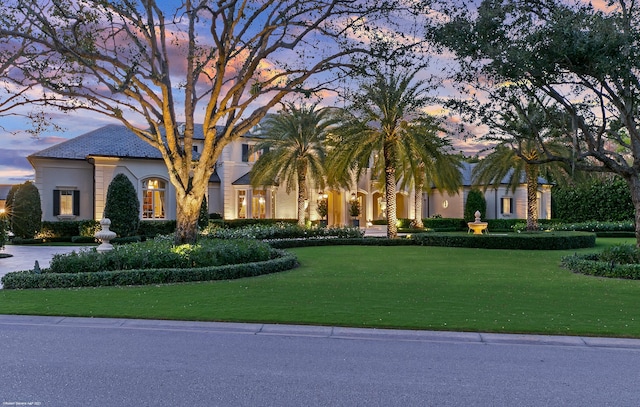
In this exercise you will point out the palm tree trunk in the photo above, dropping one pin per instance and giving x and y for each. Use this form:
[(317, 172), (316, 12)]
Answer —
[(419, 182), (390, 189), (302, 191), (532, 197), (417, 217)]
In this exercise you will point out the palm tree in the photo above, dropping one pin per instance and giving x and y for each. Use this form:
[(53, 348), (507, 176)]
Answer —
[(380, 129), (530, 135), (440, 169), (294, 149)]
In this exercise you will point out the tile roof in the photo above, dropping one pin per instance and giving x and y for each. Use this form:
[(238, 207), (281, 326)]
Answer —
[(467, 176), (112, 140)]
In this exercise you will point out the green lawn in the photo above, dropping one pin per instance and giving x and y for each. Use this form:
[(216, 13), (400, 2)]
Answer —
[(397, 287)]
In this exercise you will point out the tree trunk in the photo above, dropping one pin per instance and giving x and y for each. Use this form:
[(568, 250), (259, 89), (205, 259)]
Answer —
[(302, 191), (390, 190), (634, 187), (417, 217), (532, 198), (188, 209)]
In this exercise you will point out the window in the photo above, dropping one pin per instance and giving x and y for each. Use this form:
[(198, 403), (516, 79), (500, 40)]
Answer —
[(242, 204), (66, 202), (506, 205), (248, 156), (258, 205), (153, 195)]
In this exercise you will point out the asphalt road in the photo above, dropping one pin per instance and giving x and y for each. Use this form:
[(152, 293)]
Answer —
[(50, 361)]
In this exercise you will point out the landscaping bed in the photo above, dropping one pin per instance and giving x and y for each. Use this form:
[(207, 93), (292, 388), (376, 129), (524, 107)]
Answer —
[(156, 262), (619, 261)]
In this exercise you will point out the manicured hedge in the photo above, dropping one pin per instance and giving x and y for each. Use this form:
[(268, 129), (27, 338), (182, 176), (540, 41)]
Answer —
[(590, 264), (151, 228), (367, 241), (516, 241), (607, 199), (281, 261)]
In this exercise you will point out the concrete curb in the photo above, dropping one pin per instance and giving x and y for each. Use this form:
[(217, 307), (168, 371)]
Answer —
[(322, 332)]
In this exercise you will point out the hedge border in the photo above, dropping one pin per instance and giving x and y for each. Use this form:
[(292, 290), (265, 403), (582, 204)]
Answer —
[(282, 261), (588, 264), (514, 241)]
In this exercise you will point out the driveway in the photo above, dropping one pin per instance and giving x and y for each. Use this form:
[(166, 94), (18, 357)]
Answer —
[(24, 257)]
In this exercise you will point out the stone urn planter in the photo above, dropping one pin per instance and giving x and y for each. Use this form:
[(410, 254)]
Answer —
[(105, 236)]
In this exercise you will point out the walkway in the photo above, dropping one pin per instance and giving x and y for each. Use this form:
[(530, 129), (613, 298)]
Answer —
[(24, 257)]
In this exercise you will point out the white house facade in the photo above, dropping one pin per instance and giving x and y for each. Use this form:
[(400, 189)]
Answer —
[(73, 177)]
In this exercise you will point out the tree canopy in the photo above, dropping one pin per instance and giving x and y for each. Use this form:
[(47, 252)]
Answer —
[(159, 68), (386, 123), (582, 59)]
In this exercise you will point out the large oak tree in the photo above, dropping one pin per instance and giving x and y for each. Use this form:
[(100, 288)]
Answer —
[(582, 59), (161, 67)]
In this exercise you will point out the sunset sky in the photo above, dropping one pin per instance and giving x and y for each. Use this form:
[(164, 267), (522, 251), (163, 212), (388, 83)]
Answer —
[(16, 145)]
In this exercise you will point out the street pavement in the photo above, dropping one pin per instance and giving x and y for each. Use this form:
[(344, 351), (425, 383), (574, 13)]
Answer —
[(55, 361)]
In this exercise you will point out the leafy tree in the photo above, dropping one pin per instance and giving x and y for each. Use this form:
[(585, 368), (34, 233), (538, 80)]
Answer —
[(294, 150), (4, 229), (475, 202), (122, 207), (584, 60), (227, 62), (526, 135), (26, 211), (203, 218), (381, 128)]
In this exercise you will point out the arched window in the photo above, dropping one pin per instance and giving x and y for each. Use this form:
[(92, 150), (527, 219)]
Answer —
[(153, 199)]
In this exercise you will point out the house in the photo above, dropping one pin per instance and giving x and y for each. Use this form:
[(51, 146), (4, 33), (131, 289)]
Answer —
[(502, 202), (73, 177)]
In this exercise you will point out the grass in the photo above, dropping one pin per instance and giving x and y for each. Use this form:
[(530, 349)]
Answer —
[(392, 287)]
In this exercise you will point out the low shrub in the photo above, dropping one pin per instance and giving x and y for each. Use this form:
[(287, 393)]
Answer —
[(621, 253), (19, 241), (152, 228), (591, 226), (445, 224), (67, 228), (368, 241), (278, 261), (280, 230), (83, 239), (515, 241), (621, 261), (240, 223), (126, 240), (155, 254)]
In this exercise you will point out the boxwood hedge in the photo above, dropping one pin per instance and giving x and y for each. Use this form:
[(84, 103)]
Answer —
[(280, 261), (516, 241)]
